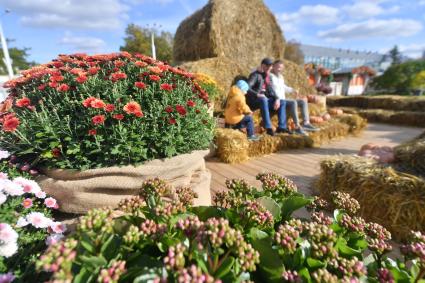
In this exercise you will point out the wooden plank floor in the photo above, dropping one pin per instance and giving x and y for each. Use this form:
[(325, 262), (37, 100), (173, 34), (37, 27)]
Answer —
[(302, 165)]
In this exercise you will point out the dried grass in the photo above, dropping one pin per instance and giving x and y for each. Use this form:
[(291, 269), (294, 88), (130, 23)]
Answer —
[(231, 146), (394, 199), (411, 155), (357, 123)]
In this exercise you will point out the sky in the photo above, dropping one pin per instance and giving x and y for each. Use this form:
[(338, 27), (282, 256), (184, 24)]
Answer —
[(51, 27)]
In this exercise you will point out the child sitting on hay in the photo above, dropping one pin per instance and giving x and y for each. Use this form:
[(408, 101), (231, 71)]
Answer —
[(237, 113)]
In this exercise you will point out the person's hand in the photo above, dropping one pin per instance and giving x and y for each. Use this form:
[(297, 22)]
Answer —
[(276, 104)]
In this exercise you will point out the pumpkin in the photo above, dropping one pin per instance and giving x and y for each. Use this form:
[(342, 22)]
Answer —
[(316, 119), (336, 111), (326, 117)]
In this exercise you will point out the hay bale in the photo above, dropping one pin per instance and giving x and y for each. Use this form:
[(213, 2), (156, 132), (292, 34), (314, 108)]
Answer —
[(232, 146), (395, 200), (296, 77), (411, 155), (242, 29), (388, 102), (405, 118), (357, 123)]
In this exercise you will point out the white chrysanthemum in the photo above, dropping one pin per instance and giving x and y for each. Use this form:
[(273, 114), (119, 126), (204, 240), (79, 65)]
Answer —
[(3, 198), (41, 195), (4, 154), (58, 227), (54, 239), (3, 175), (11, 188), (38, 220), (7, 234), (29, 186), (8, 249), (21, 222)]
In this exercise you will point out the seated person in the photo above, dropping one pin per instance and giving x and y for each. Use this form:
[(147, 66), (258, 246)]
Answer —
[(237, 114), (262, 96), (280, 88)]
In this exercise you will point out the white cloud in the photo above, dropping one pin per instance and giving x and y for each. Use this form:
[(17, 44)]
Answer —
[(93, 14), (362, 9), (412, 50), (317, 14), (373, 28), (83, 44)]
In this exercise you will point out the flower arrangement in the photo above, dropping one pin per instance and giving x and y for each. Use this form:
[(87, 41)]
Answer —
[(210, 86), (26, 226), (364, 70), (250, 235), (81, 112)]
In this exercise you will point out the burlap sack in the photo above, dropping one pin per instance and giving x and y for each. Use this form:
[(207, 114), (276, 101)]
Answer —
[(80, 191)]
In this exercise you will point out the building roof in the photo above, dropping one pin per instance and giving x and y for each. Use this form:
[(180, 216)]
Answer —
[(342, 71), (319, 51)]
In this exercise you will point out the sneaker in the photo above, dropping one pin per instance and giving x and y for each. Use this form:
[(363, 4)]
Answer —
[(253, 138), (270, 132), (283, 131), (310, 128), (300, 131)]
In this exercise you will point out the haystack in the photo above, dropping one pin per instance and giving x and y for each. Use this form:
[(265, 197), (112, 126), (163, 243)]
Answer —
[(411, 155), (245, 30), (394, 199), (357, 123), (228, 38), (232, 146)]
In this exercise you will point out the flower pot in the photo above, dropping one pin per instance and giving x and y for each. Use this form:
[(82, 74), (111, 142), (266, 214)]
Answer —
[(80, 191)]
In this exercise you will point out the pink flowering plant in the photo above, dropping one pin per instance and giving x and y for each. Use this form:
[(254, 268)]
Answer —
[(158, 236), (26, 227), (81, 111)]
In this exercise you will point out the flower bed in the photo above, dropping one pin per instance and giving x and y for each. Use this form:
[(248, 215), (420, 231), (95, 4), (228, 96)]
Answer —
[(81, 112), (26, 225), (249, 235)]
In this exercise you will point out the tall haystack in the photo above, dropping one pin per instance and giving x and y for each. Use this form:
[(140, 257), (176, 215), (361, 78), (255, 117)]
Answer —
[(244, 30)]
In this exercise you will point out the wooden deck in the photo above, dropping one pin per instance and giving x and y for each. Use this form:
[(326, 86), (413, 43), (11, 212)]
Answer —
[(302, 166)]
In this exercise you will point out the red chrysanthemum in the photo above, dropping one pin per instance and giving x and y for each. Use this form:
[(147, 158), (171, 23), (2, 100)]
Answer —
[(172, 121), (56, 152), (93, 70), (140, 85), (118, 76), (53, 84), (191, 103), (23, 102), (56, 78), (119, 63), (92, 132), (168, 109), (63, 87), (132, 107), (109, 107), (140, 64), (97, 103), (98, 119), (139, 114), (87, 102), (118, 116), (181, 110), (10, 124), (166, 87), (155, 70), (154, 78), (81, 79), (197, 111), (41, 87)]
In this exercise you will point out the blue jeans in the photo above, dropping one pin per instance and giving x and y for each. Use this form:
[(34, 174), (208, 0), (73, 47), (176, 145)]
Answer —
[(293, 104), (246, 122), (265, 105)]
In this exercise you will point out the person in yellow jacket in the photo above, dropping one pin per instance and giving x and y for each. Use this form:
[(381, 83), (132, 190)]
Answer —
[(237, 113)]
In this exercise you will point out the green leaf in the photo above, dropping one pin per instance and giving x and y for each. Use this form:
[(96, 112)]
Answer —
[(315, 263), (87, 244), (94, 261), (27, 151), (345, 250), (305, 274), (82, 276), (206, 212), (272, 206), (225, 267), (111, 247), (293, 203)]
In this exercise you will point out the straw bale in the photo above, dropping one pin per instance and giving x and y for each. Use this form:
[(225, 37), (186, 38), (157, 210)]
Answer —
[(232, 146), (388, 102), (357, 123), (411, 155), (394, 199), (242, 29), (406, 118)]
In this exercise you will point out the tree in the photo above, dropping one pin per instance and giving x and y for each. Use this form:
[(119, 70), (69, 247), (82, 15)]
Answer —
[(293, 52), (19, 59), (138, 40), (395, 55), (398, 78)]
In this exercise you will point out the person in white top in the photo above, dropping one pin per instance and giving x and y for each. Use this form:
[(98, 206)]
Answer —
[(280, 88)]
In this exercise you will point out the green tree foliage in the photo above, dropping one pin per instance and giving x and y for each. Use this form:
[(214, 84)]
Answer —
[(398, 78), (418, 81), (395, 55), (138, 40), (293, 53), (19, 59)]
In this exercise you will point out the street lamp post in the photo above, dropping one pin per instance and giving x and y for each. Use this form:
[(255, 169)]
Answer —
[(6, 58)]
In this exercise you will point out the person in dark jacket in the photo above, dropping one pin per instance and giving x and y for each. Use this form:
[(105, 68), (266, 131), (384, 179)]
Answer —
[(262, 96)]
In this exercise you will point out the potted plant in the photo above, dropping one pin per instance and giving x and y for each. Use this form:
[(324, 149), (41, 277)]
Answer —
[(97, 126)]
